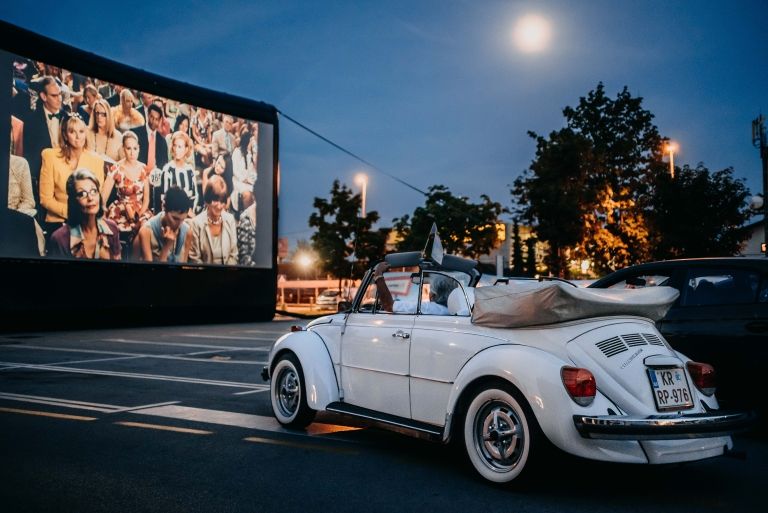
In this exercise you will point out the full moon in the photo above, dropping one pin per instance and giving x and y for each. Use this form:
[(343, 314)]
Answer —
[(532, 33)]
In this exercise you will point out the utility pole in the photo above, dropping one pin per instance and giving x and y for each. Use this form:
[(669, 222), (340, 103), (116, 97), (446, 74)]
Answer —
[(758, 141)]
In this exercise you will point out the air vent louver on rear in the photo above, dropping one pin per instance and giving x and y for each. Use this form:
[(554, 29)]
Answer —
[(634, 340), (611, 346), (652, 339)]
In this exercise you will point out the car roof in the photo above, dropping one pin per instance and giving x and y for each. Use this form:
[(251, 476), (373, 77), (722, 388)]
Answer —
[(752, 262)]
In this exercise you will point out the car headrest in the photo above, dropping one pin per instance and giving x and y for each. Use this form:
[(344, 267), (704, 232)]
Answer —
[(457, 303)]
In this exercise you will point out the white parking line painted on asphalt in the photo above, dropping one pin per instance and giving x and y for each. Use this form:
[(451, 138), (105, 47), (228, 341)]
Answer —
[(181, 356), (252, 391), (182, 344), (224, 337), (53, 401), (133, 375)]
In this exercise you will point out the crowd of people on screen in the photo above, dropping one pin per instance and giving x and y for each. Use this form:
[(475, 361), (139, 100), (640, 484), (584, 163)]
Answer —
[(110, 173)]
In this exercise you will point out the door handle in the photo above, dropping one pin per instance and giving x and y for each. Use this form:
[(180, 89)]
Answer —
[(401, 334)]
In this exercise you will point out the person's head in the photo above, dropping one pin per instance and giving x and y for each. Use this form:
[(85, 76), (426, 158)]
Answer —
[(146, 98), (90, 94), (440, 288), (101, 118), (181, 124), (71, 134), (154, 116), (50, 94), (176, 205), (227, 122), (130, 146), (126, 100), (181, 146), (215, 195), (245, 140), (247, 199), (83, 197)]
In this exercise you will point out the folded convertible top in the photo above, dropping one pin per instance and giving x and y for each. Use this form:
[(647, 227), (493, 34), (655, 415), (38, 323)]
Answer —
[(531, 304)]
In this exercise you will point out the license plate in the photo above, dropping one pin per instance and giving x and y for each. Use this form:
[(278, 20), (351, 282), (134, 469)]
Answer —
[(670, 389)]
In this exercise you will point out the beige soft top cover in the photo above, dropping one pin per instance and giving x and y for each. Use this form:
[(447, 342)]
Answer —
[(531, 304)]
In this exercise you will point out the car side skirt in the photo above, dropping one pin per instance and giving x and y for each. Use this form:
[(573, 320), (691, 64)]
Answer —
[(392, 422)]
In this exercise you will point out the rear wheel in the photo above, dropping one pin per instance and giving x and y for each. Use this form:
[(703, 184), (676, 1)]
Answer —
[(498, 433), (288, 393)]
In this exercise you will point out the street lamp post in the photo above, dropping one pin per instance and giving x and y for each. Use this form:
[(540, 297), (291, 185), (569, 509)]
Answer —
[(671, 148), (759, 141), (362, 180)]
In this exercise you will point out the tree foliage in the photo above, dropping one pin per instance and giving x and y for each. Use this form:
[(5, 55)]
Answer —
[(342, 234), (466, 228), (698, 214), (598, 190)]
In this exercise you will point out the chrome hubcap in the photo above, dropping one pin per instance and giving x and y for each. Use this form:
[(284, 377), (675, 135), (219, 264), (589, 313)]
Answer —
[(499, 436), (288, 392)]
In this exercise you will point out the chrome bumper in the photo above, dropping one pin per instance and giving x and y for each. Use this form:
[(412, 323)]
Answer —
[(663, 427)]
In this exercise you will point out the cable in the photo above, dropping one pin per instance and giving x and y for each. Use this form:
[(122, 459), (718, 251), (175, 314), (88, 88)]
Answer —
[(340, 148)]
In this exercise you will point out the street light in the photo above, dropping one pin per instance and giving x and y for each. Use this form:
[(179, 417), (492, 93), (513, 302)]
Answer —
[(671, 147), (361, 179)]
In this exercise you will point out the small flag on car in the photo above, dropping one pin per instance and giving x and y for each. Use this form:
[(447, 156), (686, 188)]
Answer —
[(437, 247)]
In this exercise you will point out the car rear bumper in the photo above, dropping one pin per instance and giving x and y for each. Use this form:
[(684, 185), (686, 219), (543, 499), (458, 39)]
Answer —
[(662, 427)]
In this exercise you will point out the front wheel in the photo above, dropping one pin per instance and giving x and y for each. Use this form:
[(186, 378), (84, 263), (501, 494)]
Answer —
[(288, 393), (498, 434)]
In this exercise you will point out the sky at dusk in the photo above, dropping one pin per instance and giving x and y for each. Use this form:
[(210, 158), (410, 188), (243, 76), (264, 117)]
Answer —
[(437, 92)]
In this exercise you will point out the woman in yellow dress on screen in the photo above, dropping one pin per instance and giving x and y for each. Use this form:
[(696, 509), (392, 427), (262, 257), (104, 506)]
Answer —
[(59, 163)]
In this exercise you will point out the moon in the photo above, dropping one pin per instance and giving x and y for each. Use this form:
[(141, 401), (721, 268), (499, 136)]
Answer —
[(532, 33)]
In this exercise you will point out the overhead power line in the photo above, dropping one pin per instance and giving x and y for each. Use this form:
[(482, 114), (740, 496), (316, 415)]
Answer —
[(342, 149)]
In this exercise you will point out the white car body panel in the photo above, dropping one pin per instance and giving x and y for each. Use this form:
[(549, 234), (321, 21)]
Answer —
[(419, 366)]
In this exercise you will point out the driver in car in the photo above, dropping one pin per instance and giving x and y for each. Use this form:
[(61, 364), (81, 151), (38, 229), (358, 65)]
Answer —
[(439, 290)]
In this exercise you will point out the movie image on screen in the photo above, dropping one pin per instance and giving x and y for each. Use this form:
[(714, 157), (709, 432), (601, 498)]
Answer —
[(106, 172)]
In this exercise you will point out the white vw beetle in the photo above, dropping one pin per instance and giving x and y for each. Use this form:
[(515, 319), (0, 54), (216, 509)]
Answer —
[(504, 369)]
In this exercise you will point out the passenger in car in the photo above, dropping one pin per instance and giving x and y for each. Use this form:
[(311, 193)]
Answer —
[(440, 288)]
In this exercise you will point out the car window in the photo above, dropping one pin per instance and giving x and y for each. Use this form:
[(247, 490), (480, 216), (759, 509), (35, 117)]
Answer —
[(720, 287), (436, 289), (643, 280), (404, 287)]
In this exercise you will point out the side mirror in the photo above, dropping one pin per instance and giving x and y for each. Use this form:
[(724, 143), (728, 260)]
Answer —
[(344, 306)]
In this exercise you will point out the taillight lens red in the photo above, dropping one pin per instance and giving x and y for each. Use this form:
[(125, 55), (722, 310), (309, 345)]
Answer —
[(704, 377), (580, 384), (296, 328)]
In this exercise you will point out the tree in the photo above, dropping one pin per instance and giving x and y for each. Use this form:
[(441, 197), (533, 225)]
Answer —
[(517, 251), (698, 214), (583, 190), (341, 233), (465, 228)]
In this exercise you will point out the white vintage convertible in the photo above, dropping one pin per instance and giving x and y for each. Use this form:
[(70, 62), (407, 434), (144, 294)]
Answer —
[(504, 369)]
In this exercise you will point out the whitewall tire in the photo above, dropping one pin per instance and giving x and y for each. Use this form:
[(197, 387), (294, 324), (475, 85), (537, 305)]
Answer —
[(288, 393)]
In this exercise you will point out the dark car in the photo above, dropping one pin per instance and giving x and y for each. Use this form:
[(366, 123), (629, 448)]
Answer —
[(720, 318)]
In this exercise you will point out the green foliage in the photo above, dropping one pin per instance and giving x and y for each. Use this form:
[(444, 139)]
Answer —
[(467, 229), (598, 190), (698, 214), (517, 251), (582, 190), (341, 233)]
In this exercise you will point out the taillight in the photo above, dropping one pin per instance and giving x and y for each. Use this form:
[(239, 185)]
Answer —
[(296, 328), (580, 384), (704, 377)]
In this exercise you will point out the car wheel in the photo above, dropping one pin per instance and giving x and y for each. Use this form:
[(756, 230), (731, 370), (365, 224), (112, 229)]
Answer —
[(289, 397), (498, 434)]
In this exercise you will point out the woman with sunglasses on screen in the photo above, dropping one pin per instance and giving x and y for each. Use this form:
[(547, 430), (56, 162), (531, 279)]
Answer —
[(214, 232), (59, 163), (86, 234), (102, 136)]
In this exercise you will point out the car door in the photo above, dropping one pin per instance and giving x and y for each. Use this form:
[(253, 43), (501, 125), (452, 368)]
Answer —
[(375, 351)]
